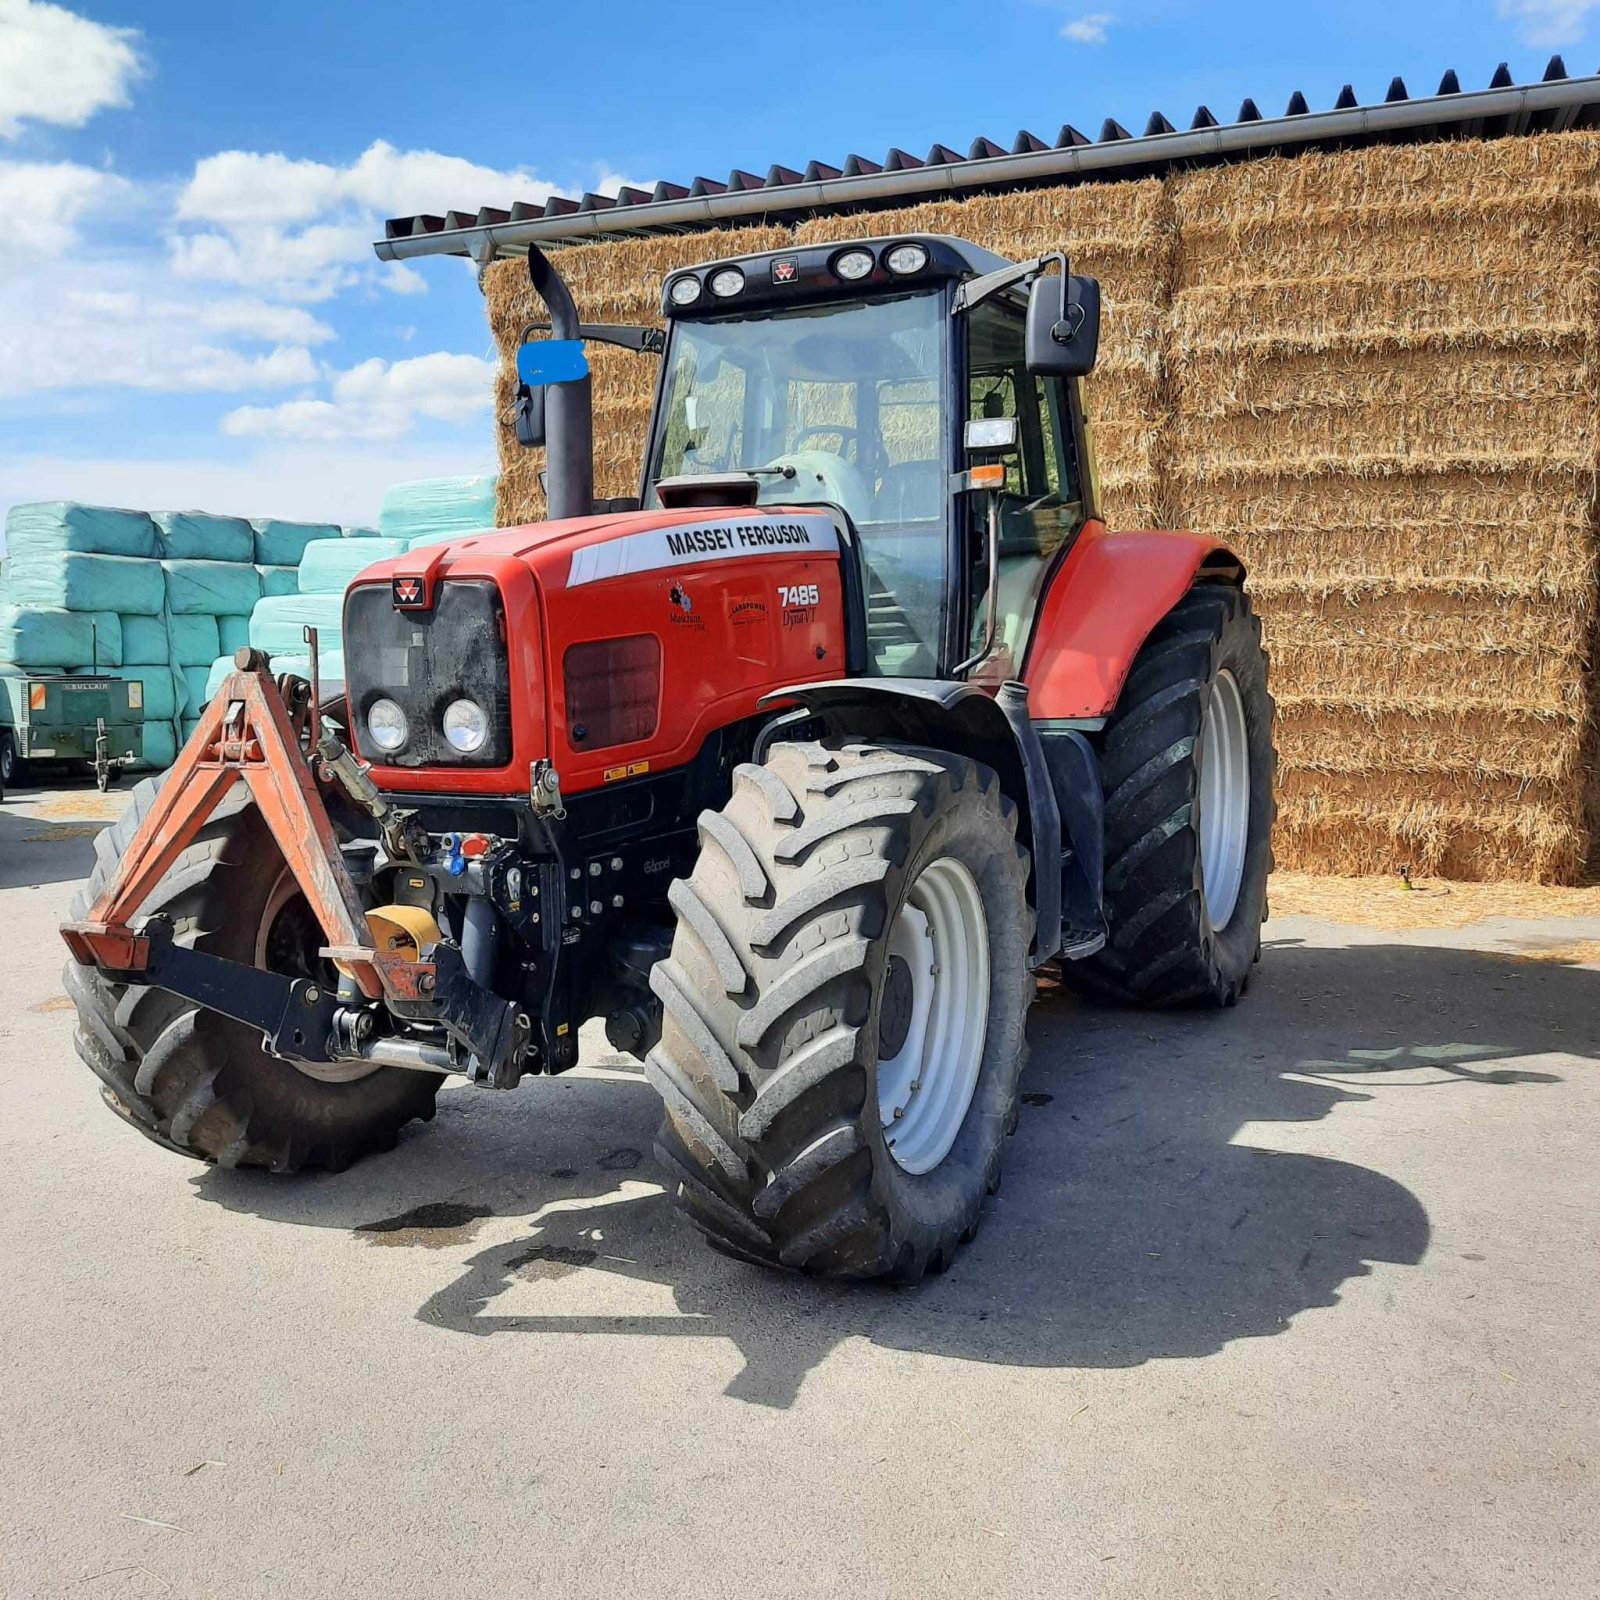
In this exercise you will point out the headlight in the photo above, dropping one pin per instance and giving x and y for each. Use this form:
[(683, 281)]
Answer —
[(684, 291), (387, 725), (905, 259), (466, 725), (727, 283), (854, 265)]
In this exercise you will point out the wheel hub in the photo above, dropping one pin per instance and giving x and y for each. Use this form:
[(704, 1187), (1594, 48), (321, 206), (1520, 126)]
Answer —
[(936, 1016)]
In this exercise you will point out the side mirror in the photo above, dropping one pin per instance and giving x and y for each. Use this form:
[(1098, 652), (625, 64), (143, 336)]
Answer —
[(540, 363), (1063, 326), (528, 417)]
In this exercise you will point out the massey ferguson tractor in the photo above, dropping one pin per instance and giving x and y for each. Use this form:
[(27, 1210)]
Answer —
[(796, 770)]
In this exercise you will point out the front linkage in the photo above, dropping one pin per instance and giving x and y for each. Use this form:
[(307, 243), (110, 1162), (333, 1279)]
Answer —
[(253, 733)]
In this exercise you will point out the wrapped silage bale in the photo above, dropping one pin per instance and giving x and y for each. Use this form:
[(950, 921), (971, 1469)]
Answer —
[(437, 505), (359, 533), (233, 633), (281, 544), (199, 536), (42, 637), (59, 527), (329, 565), (194, 691), (144, 642), (74, 581), (194, 641), (160, 744), (277, 625), (279, 580), (210, 588)]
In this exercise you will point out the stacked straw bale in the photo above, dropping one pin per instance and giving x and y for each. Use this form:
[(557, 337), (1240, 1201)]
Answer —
[(1384, 382), (1375, 373)]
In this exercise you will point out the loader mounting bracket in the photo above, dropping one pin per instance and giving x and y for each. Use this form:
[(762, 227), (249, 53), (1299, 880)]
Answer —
[(246, 735), (294, 1015)]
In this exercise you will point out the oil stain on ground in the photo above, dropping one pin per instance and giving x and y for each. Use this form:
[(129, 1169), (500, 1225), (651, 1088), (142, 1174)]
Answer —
[(436, 1226)]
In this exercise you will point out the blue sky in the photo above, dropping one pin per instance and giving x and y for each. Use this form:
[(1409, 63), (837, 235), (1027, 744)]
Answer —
[(190, 313)]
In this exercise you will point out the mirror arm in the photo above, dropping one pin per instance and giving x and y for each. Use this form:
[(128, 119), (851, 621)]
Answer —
[(975, 291)]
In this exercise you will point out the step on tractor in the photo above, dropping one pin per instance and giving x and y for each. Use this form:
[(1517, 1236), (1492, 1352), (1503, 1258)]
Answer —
[(796, 770)]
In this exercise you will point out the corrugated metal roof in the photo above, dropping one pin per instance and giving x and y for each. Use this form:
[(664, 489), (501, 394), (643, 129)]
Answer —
[(786, 194)]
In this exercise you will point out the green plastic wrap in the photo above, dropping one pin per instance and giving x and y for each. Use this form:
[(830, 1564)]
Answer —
[(233, 633), (277, 625), (281, 544), (144, 642), (41, 638), (279, 580), (211, 588), (437, 505), (74, 582), (199, 536), (329, 565), (193, 641), (160, 745), (54, 527)]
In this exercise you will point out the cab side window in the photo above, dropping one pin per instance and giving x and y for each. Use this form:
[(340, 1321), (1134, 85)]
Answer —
[(1042, 504)]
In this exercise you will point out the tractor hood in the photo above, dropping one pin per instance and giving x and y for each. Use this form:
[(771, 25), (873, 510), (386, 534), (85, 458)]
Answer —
[(694, 613)]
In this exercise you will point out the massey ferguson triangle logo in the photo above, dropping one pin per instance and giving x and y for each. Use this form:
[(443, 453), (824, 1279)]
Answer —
[(408, 594)]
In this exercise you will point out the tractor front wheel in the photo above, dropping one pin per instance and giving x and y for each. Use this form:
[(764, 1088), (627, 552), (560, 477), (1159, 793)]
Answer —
[(1188, 768), (844, 1010), (194, 1080)]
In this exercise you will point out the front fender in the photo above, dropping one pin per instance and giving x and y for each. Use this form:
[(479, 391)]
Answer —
[(1100, 607), (991, 727)]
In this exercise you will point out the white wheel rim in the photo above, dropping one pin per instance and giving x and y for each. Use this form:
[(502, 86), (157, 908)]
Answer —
[(924, 1090), (1224, 798)]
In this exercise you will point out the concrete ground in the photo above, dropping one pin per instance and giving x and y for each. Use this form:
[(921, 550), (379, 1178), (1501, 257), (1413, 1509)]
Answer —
[(1293, 1300)]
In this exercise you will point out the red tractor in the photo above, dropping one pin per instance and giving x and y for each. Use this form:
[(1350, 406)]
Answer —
[(796, 770)]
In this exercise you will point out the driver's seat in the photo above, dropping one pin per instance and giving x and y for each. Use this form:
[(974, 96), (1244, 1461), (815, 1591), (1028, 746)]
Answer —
[(911, 491)]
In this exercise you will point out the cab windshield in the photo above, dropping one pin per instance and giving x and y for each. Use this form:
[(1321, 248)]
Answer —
[(842, 403)]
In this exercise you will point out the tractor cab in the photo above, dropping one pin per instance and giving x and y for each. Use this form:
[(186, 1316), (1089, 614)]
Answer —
[(893, 380)]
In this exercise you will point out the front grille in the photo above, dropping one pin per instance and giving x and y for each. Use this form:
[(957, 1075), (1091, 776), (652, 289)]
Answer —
[(422, 660)]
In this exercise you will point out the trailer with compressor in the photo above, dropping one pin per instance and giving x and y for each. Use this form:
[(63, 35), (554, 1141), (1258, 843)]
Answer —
[(796, 770)]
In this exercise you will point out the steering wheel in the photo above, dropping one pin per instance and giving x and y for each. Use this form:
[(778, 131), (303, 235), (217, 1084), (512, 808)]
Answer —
[(842, 431)]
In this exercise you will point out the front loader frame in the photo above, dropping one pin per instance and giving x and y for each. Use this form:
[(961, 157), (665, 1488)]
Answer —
[(247, 735)]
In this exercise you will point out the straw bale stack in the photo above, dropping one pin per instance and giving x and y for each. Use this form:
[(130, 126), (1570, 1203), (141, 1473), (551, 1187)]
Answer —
[(1376, 373), (1385, 387)]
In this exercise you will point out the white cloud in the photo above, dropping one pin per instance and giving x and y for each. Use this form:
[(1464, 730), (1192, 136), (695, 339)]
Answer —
[(43, 202), (303, 229), (88, 330), (60, 68), (377, 401), (1549, 23), (1090, 29)]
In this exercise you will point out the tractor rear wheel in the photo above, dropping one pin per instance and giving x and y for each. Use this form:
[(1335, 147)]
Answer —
[(844, 1010), (1188, 768), (194, 1080)]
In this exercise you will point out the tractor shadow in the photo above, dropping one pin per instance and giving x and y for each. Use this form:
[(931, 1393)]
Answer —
[(1137, 1220)]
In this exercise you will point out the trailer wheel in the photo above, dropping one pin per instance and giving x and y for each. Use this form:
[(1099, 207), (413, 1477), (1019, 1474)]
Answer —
[(8, 758), (198, 1082), (844, 1010), (1188, 771)]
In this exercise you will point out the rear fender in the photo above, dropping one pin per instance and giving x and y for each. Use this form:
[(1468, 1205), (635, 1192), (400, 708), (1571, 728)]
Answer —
[(1100, 607), (964, 719)]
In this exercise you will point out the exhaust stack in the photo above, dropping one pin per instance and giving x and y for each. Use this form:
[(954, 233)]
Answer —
[(569, 407)]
